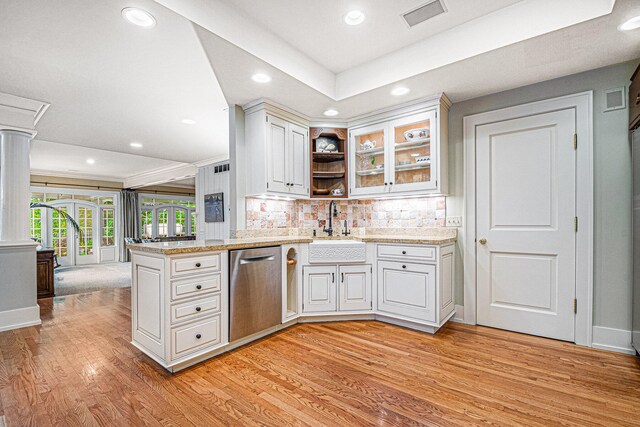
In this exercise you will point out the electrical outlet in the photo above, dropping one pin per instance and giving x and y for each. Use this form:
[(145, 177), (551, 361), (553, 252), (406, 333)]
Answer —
[(454, 221)]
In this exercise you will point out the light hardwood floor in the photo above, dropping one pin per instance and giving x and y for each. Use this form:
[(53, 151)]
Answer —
[(78, 368)]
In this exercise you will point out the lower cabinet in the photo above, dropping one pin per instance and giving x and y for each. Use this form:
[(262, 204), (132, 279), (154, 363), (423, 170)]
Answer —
[(336, 288), (407, 289)]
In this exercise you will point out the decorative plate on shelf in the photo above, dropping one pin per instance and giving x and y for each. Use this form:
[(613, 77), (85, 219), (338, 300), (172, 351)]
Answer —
[(418, 133), (326, 145)]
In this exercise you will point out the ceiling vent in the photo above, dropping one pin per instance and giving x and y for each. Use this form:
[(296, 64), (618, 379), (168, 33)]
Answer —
[(424, 12)]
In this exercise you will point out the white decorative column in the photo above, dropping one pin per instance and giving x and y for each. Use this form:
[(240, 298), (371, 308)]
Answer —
[(18, 301)]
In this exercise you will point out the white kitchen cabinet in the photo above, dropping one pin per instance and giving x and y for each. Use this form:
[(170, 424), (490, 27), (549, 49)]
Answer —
[(276, 152), (407, 289), (331, 288), (385, 160), (415, 282), (319, 293), (179, 306), (354, 292)]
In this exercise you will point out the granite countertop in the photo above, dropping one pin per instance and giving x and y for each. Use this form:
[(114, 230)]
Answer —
[(194, 246)]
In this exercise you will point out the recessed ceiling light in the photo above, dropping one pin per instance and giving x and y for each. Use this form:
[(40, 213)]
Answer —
[(91, 161), (188, 122), (399, 91), (331, 112), (139, 17), (354, 17), (135, 144), (631, 24), (261, 78)]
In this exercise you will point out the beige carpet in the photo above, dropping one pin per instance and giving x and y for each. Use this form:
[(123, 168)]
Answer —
[(90, 278)]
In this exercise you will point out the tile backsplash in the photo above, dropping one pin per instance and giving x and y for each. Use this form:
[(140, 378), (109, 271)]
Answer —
[(393, 213)]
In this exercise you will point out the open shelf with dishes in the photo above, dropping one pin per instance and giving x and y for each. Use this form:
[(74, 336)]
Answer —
[(329, 177)]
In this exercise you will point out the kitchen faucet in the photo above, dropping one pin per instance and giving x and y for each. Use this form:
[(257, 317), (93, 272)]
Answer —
[(333, 211)]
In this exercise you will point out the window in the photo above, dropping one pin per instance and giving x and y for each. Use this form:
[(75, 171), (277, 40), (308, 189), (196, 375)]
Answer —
[(59, 232), (163, 222), (181, 222), (146, 219), (193, 223), (108, 227), (36, 225)]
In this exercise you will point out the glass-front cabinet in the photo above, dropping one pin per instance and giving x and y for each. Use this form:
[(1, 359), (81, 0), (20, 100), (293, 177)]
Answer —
[(412, 152), (369, 172), (401, 153)]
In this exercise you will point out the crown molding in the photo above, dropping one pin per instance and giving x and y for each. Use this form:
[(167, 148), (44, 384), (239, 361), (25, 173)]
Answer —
[(76, 175), (212, 160), (21, 114), (160, 176)]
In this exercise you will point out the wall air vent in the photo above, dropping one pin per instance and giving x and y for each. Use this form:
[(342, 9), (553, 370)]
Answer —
[(614, 99), (424, 12)]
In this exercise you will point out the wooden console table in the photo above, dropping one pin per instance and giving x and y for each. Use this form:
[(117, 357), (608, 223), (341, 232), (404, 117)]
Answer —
[(44, 268)]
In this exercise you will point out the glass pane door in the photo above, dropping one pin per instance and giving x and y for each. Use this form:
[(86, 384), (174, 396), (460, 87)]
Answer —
[(181, 222), (60, 233), (413, 153), (163, 222), (85, 250), (369, 160)]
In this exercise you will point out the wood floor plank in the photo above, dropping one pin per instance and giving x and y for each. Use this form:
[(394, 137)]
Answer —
[(79, 368)]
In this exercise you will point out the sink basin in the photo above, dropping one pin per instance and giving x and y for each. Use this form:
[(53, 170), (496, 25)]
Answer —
[(334, 251)]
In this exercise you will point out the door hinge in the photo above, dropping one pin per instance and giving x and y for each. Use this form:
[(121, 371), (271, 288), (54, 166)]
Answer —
[(575, 305), (267, 185), (302, 306), (266, 119), (575, 224), (575, 141), (371, 304)]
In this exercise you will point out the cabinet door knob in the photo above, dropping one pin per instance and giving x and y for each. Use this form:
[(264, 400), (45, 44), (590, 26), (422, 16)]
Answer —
[(198, 264), (198, 287), (198, 336), (404, 266), (386, 183), (198, 308), (404, 252), (482, 241)]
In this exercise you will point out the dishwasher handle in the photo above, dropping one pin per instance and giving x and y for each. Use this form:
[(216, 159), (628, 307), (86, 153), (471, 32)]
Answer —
[(257, 259)]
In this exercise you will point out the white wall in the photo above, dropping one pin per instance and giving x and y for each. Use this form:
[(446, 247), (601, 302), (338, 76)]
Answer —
[(612, 177), (208, 182)]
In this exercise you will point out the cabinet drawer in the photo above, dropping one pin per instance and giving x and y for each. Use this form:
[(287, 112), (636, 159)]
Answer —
[(196, 336), (198, 286), (195, 264), (195, 309), (417, 253)]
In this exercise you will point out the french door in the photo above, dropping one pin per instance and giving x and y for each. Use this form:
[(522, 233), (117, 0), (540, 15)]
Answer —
[(74, 248)]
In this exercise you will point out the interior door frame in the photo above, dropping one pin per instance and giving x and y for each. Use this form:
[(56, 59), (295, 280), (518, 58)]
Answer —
[(582, 103)]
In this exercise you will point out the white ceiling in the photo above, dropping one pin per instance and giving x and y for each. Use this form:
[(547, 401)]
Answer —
[(588, 45), (317, 28), (71, 160), (111, 83)]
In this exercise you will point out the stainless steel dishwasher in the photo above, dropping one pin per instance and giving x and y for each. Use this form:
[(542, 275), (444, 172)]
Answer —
[(256, 291)]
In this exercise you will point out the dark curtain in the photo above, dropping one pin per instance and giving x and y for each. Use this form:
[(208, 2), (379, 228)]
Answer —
[(129, 218)]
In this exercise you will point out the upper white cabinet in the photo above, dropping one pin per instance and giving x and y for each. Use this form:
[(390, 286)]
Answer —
[(277, 156), (400, 151)]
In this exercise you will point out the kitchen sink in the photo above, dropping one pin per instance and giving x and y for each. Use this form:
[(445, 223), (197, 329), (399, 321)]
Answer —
[(333, 251)]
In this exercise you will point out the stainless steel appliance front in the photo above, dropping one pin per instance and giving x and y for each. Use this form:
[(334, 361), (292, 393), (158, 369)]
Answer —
[(256, 291)]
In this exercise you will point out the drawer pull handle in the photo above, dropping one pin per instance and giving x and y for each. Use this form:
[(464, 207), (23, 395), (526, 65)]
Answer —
[(404, 252), (198, 264), (404, 266), (198, 287), (198, 336), (198, 308)]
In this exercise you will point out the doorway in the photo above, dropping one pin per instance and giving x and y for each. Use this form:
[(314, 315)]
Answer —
[(528, 181), (75, 248)]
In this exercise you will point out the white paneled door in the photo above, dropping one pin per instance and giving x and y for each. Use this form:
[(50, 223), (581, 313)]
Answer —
[(526, 222)]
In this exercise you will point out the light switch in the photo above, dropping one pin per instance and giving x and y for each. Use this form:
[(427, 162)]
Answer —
[(454, 221)]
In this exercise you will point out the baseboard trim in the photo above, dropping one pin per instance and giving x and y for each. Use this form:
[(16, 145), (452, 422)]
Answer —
[(19, 318), (459, 316), (618, 340)]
